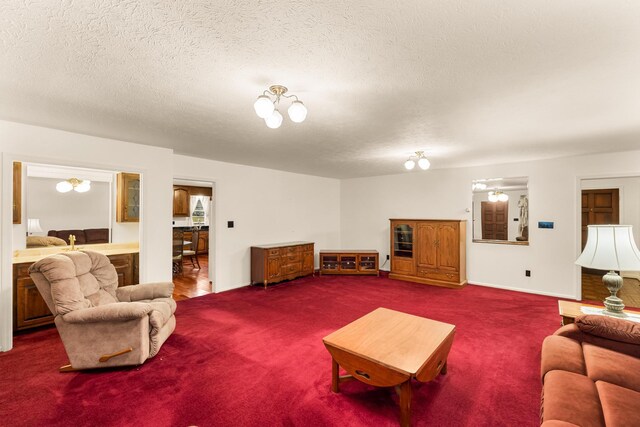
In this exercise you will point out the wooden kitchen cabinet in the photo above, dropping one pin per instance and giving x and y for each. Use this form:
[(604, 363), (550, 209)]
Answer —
[(128, 197), (276, 262), (429, 251), (180, 202), (29, 308)]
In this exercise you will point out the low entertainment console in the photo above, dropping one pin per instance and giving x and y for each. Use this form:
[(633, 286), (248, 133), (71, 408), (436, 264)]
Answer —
[(356, 262)]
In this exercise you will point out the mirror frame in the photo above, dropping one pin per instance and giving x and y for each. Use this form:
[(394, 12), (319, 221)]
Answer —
[(473, 224)]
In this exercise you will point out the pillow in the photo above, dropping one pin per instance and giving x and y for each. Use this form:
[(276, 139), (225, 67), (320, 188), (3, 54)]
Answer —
[(612, 328), (42, 241)]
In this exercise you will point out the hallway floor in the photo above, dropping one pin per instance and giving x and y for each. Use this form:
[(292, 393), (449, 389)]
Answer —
[(192, 282)]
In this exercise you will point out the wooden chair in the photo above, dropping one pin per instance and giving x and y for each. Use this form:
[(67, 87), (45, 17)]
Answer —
[(178, 247), (192, 252)]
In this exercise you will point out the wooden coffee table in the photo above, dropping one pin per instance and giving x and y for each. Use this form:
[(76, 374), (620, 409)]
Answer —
[(387, 348)]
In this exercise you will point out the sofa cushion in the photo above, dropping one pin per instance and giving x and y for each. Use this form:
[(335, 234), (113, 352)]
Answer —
[(613, 367), (620, 406), (44, 241), (97, 235), (610, 327), (572, 398), (561, 353)]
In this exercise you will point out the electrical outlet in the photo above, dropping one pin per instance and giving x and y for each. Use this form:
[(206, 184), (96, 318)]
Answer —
[(387, 256), (527, 273)]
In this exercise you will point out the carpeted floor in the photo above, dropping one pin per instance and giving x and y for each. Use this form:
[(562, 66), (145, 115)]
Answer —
[(252, 357)]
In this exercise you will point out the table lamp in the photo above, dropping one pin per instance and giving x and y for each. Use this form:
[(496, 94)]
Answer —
[(611, 247), (33, 226)]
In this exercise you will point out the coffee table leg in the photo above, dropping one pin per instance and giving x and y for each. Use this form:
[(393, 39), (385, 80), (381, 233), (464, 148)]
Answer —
[(335, 376), (405, 403)]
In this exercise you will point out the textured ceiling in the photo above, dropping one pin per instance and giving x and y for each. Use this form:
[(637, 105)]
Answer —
[(470, 82)]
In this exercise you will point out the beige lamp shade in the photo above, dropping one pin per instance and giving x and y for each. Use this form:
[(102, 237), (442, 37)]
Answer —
[(33, 225), (610, 247)]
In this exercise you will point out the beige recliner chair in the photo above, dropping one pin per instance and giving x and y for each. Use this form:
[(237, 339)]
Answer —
[(100, 324)]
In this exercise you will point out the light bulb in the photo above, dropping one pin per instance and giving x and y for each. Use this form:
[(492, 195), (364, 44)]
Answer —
[(493, 197), (274, 120), (424, 163), (83, 187), (503, 197), (264, 106), (409, 164), (297, 112), (64, 186)]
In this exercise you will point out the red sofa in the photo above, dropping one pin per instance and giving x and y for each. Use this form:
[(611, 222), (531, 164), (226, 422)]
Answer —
[(591, 374), (83, 237)]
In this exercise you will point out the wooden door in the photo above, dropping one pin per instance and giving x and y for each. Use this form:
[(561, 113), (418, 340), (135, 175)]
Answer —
[(273, 268), (180, 201), (599, 207), (402, 247), (17, 192), (307, 262), (427, 241), (448, 246), (495, 220)]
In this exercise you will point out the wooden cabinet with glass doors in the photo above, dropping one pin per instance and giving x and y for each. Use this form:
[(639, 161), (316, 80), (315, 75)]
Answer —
[(128, 197), (429, 251), (356, 262)]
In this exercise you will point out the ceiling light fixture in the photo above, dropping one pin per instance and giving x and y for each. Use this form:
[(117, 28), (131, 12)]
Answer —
[(423, 162), (498, 196), (266, 107), (79, 185)]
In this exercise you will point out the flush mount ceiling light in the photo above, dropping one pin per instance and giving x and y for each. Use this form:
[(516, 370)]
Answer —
[(497, 196), (267, 104), (423, 162), (79, 185)]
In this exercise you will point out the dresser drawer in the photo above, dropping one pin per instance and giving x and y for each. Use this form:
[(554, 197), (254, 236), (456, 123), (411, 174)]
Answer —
[(291, 257), (439, 275), (273, 252), (307, 248), (293, 268)]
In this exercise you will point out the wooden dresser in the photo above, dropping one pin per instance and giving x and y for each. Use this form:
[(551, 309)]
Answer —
[(30, 310), (429, 251), (276, 262)]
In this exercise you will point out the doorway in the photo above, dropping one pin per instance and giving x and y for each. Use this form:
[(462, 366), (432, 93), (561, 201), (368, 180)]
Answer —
[(610, 201), (192, 236)]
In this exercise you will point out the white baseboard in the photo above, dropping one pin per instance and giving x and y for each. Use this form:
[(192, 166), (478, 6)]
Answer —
[(526, 291)]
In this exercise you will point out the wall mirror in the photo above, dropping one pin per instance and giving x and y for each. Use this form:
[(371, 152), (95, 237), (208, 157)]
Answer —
[(501, 210), (62, 200)]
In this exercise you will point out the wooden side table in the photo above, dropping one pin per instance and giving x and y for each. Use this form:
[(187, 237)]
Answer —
[(569, 310)]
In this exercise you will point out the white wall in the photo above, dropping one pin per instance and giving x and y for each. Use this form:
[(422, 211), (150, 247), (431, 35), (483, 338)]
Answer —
[(67, 211), (554, 186), (267, 206), (43, 145)]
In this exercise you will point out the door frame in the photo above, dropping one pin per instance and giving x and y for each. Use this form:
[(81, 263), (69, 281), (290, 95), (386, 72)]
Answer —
[(6, 228), (213, 236), (577, 282)]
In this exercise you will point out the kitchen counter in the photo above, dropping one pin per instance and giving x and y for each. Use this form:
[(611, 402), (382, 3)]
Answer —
[(36, 254)]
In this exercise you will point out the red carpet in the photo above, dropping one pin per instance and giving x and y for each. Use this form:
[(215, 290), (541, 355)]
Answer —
[(251, 357)]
